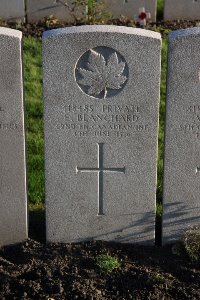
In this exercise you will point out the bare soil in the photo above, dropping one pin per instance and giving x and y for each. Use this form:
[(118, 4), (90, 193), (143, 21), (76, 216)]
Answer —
[(39, 270), (36, 270)]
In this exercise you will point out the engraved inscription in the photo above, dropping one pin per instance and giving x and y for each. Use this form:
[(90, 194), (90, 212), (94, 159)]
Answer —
[(100, 170), (103, 120), (192, 120), (101, 72), (7, 126)]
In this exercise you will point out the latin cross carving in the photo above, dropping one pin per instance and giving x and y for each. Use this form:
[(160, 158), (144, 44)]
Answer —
[(101, 170)]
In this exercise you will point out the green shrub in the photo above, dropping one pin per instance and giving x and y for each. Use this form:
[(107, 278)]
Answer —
[(107, 263), (191, 242)]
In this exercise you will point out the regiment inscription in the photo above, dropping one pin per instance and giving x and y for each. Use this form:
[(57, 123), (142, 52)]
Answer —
[(103, 120)]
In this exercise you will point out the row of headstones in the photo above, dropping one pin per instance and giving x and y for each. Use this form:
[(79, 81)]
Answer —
[(101, 106), (38, 10)]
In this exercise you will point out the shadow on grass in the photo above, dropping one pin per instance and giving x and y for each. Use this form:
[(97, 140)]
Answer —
[(37, 228)]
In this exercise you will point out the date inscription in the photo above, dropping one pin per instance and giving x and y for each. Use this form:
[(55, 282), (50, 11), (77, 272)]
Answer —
[(104, 120)]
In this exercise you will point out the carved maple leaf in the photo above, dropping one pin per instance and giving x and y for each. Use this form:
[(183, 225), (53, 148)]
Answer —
[(102, 75)]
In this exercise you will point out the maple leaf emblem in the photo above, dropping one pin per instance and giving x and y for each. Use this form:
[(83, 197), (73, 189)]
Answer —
[(101, 74)]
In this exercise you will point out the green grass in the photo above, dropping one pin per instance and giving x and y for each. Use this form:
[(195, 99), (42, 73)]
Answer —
[(34, 119), (162, 119), (160, 8), (107, 263)]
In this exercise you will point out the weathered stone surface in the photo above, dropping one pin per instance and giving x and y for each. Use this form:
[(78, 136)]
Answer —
[(37, 10), (13, 204), (130, 8), (101, 95), (182, 9), (182, 141), (12, 10)]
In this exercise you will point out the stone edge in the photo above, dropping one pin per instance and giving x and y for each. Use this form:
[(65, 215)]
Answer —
[(184, 33), (102, 28), (4, 31), (10, 32)]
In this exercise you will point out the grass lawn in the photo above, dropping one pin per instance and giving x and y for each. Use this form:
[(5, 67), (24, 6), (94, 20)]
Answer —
[(34, 118), (160, 8)]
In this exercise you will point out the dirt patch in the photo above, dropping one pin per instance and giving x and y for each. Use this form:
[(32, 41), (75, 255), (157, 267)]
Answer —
[(35, 270)]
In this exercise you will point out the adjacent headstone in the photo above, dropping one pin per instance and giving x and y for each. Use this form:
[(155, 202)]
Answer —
[(101, 100), (182, 9), (12, 10), (182, 141), (38, 10), (13, 204), (130, 8)]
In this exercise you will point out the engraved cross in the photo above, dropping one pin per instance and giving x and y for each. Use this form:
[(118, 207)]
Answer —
[(100, 170)]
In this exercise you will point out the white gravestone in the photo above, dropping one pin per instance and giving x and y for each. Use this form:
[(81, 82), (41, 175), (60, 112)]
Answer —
[(101, 100), (182, 10), (37, 10), (130, 8), (12, 10), (13, 200), (182, 138)]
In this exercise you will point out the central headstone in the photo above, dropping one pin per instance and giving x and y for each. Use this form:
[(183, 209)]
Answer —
[(101, 98)]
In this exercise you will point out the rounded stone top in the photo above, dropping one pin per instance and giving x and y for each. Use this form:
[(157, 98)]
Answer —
[(10, 32), (182, 33), (102, 28)]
